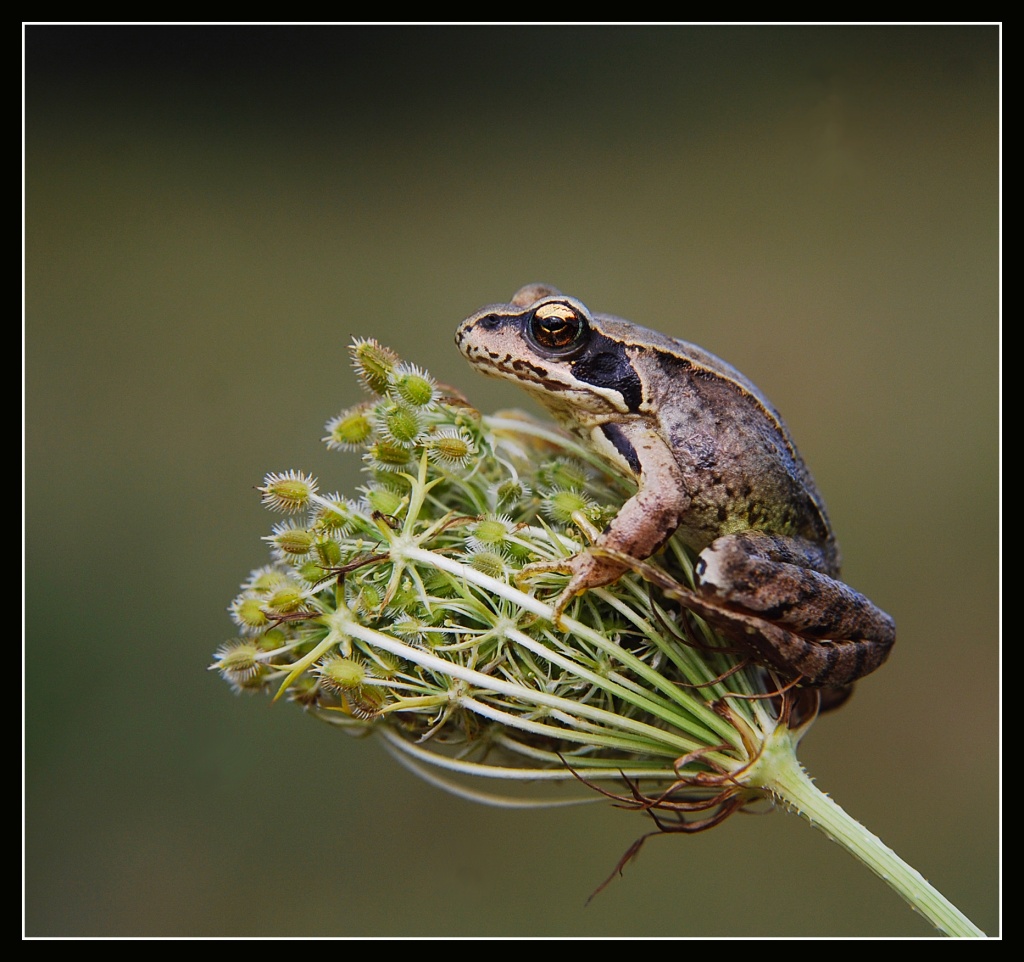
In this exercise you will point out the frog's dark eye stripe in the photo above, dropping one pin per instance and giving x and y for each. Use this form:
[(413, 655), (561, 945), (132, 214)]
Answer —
[(558, 328), (606, 364)]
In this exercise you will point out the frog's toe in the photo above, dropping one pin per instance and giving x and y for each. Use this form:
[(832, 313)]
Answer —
[(558, 609), (527, 573)]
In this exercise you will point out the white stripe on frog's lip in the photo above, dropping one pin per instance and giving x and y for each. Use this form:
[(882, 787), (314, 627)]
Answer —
[(522, 372)]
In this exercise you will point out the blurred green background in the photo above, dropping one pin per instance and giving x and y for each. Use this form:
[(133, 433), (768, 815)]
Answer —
[(213, 212)]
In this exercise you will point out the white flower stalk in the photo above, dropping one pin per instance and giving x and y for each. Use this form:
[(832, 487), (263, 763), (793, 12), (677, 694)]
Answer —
[(406, 614)]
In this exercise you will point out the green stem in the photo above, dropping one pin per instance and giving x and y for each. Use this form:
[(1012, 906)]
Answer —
[(780, 772)]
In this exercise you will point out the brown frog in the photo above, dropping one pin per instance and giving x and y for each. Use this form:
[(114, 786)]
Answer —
[(713, 462)]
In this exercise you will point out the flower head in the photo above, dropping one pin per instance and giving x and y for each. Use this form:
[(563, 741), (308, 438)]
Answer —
[(406, 613)]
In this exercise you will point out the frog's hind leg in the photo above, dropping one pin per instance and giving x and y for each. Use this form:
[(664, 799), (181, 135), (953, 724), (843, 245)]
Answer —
[(765, 591)]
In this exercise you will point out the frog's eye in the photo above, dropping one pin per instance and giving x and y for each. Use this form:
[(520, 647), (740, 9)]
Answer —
[(558, 328)]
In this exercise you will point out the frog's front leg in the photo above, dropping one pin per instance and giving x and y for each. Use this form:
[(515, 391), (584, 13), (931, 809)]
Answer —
[(644, 523), (800, 621)]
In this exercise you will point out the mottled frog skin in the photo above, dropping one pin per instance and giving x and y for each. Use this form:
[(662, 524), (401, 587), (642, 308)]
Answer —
[(713, 462)]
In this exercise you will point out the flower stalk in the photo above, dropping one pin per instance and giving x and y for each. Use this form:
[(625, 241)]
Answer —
[(418, 613)]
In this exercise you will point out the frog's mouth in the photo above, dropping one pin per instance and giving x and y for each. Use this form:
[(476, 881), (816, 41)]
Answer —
[(511, 366)]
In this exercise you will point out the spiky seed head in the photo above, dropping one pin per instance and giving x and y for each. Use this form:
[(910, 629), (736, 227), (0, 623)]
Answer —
[(288, 492)]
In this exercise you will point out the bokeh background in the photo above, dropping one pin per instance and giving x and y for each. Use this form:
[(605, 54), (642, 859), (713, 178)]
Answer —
[(212, 213)]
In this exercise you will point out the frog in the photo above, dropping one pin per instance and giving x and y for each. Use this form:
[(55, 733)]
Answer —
[(713, 463)]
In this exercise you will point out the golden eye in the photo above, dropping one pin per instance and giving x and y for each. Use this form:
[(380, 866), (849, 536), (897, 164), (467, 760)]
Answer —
[(558, 327)]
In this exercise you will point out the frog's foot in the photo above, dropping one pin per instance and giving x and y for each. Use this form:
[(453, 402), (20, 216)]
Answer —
[(585, 571)]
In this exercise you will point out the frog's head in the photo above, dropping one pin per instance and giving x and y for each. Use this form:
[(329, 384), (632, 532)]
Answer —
[(552, 346)]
